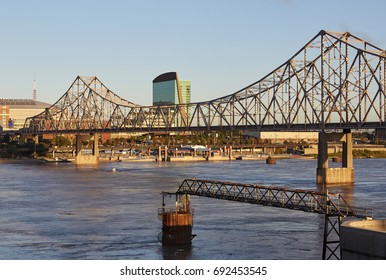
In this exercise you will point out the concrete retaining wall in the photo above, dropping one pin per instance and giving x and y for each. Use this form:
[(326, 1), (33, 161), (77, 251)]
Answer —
[(363, 240)]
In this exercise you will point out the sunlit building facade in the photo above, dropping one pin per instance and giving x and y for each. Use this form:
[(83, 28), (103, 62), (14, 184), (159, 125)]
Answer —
[(14, 112), (168, 90)]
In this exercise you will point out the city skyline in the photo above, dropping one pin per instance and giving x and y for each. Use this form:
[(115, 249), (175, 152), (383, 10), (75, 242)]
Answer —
[(126, 44)]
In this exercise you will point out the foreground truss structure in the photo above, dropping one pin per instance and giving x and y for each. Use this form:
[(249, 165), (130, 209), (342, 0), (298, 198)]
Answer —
[(333, 206), (336, 81)]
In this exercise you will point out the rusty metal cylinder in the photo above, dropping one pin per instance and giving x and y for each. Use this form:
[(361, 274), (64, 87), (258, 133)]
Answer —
[(270, 160), (336, 159), (177, 228)]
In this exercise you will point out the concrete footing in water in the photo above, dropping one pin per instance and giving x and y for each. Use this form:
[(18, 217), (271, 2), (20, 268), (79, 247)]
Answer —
[(343, 175), (335, 175), (363, 240), (81, 158)]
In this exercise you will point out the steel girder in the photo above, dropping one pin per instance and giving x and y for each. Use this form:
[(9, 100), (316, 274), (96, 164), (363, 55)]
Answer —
[(335, 81)]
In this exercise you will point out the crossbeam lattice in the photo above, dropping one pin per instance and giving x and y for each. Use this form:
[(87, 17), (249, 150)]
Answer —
[(335, 81), (295, 199), (333, 206)]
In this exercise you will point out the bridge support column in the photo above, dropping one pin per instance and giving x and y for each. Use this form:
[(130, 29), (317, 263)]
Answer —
[(347, 158), (343, 175), (159, 156), (81, 158), (331, 238), (166, 154), (95, 146)]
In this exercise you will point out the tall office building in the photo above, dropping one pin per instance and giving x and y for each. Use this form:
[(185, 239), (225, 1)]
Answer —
[(168, 90)]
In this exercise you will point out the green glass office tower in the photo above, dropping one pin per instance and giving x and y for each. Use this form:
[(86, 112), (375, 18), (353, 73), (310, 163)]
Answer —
[(168, 90)]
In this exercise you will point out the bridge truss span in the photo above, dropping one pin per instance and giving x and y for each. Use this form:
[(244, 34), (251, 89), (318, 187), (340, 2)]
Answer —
[(336, 81)]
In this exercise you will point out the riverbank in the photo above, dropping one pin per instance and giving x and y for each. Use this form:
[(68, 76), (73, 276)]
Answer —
[(154, 159), (202, 158), (126, 158)]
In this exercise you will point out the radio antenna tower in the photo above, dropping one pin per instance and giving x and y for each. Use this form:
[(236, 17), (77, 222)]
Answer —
[(34, 91)]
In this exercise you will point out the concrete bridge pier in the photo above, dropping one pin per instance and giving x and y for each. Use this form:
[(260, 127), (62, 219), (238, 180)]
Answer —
[(82, 158), (342, 175), (159, 153)]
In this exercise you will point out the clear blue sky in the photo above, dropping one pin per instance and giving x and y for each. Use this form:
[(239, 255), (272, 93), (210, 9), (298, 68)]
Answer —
[(220, 45)]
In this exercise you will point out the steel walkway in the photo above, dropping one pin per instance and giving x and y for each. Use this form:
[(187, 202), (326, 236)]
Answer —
[(333, 206)]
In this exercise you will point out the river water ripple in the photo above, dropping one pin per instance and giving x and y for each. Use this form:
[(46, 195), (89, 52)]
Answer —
[(50, 211)]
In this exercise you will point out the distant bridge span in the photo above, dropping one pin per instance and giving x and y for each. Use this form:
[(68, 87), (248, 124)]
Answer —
[(336, 81)]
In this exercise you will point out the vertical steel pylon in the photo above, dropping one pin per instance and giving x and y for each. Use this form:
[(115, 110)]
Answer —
[(331, 238)]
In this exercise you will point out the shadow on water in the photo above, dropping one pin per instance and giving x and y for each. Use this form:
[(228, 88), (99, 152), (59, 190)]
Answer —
[(346, 191), (176, 252)]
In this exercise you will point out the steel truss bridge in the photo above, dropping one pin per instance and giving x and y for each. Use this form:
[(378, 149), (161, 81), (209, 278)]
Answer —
[(336, 81), (333, 206)]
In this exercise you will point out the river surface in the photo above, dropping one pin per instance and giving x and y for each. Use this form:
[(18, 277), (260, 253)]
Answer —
[(60, 211)]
